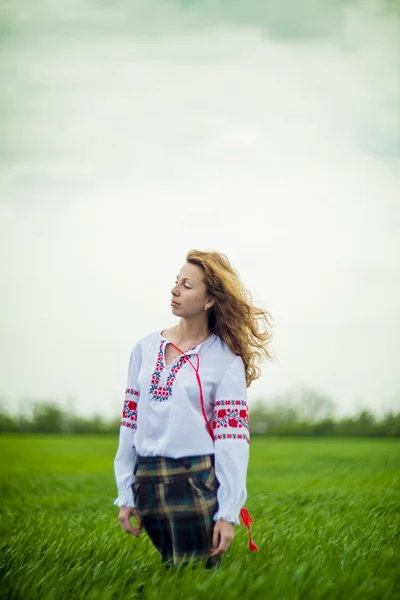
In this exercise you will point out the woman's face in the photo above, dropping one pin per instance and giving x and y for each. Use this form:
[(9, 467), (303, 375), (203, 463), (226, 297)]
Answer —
[(189, 295)]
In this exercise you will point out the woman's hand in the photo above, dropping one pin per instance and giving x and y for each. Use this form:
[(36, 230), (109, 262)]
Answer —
[(222, 538), (125, 513)]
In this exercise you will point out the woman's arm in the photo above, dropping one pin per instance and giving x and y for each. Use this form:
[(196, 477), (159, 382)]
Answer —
[(230, 426), (125, 457)]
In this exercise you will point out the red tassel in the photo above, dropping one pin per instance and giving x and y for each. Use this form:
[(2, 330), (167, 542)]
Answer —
[(246, 518), (252, 546)]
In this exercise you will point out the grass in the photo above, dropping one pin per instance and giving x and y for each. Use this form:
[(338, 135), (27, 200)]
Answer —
[(327, 523)]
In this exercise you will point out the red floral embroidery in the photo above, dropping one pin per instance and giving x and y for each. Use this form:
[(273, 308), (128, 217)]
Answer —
[(129, 411), (231, 414), (162, 393)]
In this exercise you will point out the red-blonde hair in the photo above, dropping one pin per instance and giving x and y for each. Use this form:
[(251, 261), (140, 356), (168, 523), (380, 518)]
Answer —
[(245, 328)]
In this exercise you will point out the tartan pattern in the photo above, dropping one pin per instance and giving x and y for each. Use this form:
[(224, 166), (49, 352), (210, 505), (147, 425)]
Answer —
[(177, 499)]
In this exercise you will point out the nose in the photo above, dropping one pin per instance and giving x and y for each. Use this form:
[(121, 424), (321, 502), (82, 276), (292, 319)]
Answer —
[(174, 290)]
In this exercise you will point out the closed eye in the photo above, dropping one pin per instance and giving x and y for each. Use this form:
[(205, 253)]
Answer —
[(184, 285)]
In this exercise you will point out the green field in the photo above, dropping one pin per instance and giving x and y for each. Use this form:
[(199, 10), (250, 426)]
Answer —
[(327, 524)]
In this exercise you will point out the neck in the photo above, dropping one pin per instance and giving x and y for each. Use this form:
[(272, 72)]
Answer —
[(193, 330)]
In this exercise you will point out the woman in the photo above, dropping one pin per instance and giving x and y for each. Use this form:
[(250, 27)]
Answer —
[(183, 448)]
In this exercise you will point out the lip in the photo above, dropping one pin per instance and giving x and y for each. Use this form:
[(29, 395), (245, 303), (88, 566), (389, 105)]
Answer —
[(173, 303)]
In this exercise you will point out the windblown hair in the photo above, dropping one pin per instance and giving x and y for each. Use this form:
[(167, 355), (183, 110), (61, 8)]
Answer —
[(245, 328)]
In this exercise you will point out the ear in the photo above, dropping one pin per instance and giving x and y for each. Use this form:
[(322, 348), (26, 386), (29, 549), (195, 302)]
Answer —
[(209, 303)]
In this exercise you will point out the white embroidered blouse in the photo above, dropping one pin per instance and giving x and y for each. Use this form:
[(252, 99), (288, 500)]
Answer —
[(162, 416)]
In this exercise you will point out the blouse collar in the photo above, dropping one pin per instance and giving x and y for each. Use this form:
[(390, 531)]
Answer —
[(195, 349)]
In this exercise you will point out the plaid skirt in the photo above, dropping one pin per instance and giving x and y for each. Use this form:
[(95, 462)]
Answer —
[(177, 499)]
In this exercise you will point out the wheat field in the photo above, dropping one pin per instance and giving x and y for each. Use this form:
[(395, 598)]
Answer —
[(327, 523)]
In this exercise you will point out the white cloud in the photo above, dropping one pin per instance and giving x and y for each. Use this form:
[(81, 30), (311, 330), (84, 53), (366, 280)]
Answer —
[(121, 156)]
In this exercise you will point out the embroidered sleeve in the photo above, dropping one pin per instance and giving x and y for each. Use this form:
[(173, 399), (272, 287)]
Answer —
[(231, 420), (125, 457), (230, 426), (129, 411)]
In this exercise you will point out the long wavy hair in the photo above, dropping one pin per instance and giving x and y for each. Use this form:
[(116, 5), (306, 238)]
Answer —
[(245, 328)]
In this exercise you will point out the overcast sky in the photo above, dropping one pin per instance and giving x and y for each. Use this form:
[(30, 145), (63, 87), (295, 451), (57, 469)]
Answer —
[(135, 131)]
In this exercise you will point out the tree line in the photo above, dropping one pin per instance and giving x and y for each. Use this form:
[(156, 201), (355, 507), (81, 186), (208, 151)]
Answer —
[(299, 413), (289, 422)]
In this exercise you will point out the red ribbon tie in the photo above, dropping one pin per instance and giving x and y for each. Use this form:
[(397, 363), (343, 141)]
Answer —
[(246, 519)]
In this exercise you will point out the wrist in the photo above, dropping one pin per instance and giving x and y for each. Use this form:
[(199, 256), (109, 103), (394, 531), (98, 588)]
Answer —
[(225, 521)]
